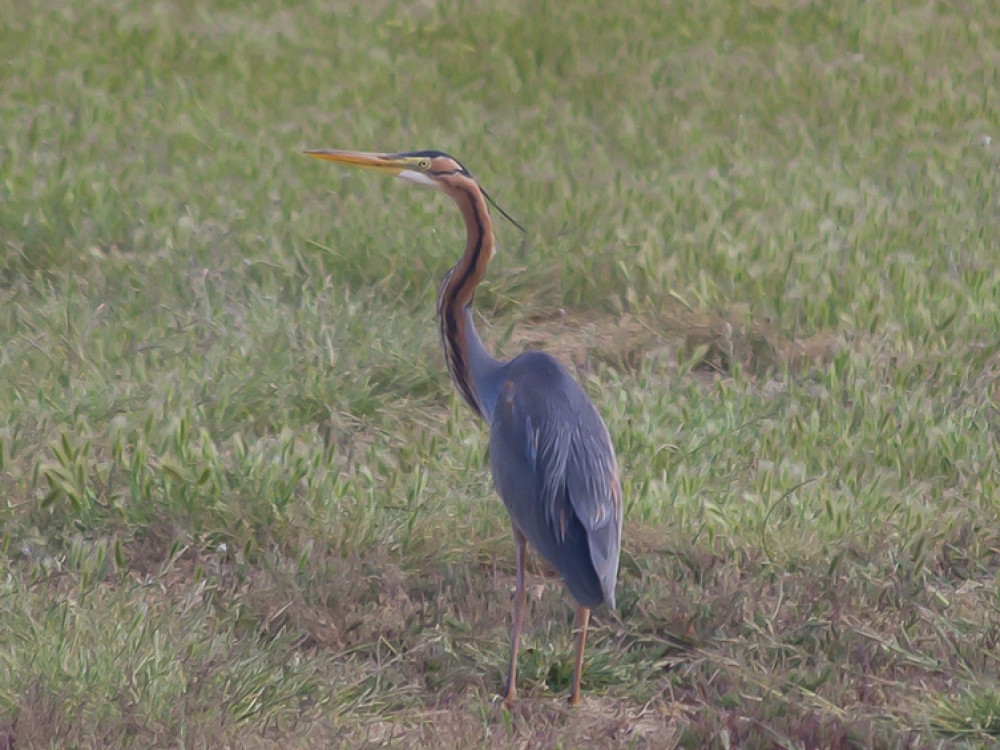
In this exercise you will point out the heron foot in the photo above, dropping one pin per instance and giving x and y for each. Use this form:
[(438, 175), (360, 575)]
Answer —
[(510, 696)]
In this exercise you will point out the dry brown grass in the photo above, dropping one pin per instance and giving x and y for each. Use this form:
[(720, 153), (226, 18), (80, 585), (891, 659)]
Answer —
[(706, 342)]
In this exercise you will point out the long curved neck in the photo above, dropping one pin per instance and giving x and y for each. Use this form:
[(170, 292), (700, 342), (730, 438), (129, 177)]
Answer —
[(473, 369)]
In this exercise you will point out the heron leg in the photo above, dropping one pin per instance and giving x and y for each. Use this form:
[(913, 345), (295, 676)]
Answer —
[(580, 626), (510, 695)]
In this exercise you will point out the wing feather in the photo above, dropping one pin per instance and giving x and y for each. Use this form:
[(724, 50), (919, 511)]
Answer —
[(554, 466)]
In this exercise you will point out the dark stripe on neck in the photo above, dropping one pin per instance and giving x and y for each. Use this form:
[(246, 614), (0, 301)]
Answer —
[(454, 348)]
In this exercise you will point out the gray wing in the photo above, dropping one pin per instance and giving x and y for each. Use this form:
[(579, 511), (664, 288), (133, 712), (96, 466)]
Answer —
[(554, 467)]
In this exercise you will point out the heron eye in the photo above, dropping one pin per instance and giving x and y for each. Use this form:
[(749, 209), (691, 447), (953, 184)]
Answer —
[(424, 164)]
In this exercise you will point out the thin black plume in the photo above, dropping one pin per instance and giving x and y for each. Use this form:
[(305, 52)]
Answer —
[(506, 215)]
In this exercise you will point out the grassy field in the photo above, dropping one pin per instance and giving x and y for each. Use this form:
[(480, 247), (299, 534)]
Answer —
[(242, 505)]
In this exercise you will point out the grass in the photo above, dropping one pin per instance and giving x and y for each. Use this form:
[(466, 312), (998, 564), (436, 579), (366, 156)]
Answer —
[(242, 505)]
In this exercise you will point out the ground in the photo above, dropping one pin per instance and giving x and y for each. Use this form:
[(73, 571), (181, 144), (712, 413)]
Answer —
[(244, 507)]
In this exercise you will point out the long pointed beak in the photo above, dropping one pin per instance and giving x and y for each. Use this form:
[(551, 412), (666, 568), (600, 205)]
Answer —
[(384, 163)]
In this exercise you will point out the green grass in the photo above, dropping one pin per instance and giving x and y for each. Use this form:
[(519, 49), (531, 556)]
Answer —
[(242, 505)]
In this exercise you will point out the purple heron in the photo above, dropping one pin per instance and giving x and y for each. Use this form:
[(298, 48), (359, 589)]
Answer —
[(550, 453)]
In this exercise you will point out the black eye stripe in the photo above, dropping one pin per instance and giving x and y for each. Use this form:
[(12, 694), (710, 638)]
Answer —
[(442, 172)]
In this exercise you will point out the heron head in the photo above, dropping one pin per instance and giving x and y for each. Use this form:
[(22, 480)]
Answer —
[(431, 168), (434, 169)]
